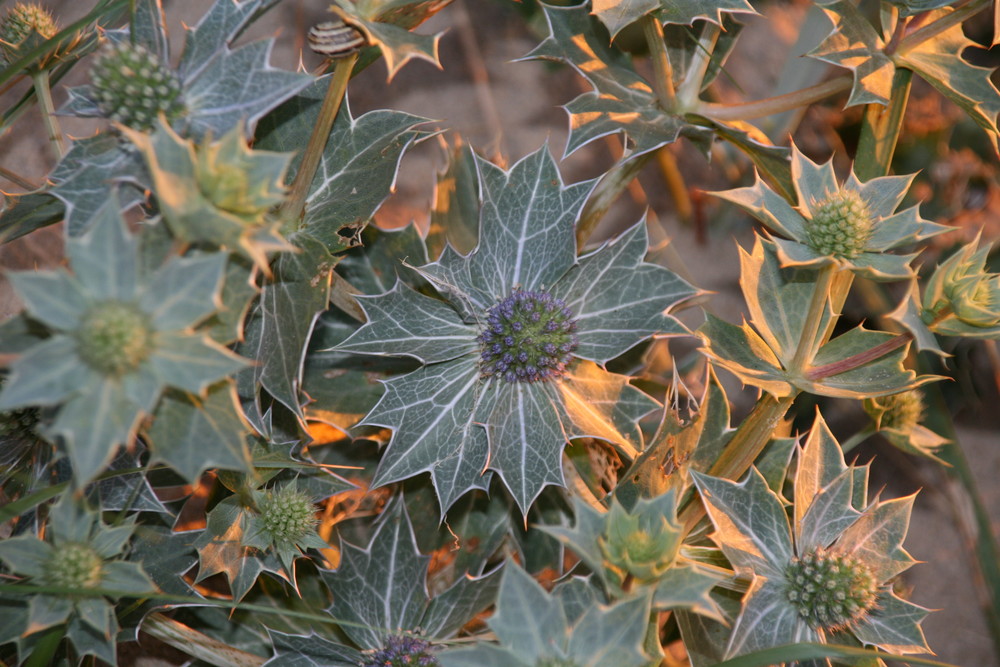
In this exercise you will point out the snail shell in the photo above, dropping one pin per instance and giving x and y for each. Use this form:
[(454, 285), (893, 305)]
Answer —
[(335, 39)]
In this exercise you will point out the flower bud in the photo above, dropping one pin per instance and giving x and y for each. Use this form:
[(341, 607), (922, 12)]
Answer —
[(840, 226), (132, 86), (963, 288), (643, 545), (237, 180)]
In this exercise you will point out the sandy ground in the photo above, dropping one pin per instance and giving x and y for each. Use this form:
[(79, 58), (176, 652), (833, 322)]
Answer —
[(509, 109)]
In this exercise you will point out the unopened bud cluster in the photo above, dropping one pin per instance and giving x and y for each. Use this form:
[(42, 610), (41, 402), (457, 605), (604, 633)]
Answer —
[(21, 22), (132, 86), (114, 337), (830, 590), (899, 412), (74, 565), (529, 336), (288, 514), (841, 225), (403, 651)]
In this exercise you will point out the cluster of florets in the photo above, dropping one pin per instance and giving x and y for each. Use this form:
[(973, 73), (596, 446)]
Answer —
[(114, 337), (21, 22), (830, 590), (900, 412), (132, 86), (288, 514), (404, 651), (529, 336), (841, 225), (75, 566)]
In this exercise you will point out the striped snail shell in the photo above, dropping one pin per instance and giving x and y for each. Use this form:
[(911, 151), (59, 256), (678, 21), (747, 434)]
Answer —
[(335, 39)]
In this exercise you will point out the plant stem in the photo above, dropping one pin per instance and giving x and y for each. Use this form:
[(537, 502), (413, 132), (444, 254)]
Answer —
[(690, 86), (857, 438), (196, 644), (880, 130), (810, 328), (743, 449), (612, 184), (663, 75), (43, 91), (773, 105), (294, 205)]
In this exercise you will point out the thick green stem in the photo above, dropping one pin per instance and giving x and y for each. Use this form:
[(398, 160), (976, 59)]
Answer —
[(880, 130), (294, 205), (814, 317), (43, 92), (743, 449), (612, 184), (857, 438), (690, 86), (663, 74), (773, 105)]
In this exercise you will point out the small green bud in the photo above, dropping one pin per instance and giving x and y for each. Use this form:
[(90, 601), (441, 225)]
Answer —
[(643, 545), (288, 514), (132, 86), (21, 22), (961, 287), (899, 412), (237, 180), (74, 565), (840, 226), (114, 337), (830, 590)]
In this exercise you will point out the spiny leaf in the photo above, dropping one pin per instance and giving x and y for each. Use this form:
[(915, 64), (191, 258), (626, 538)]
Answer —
[(939, 61), (767, 619), (192, 434), (621, 101), (855, 45)]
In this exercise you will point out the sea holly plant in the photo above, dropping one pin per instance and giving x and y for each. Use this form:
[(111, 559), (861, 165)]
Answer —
[(511, 353), (825, 573), (246, 418)]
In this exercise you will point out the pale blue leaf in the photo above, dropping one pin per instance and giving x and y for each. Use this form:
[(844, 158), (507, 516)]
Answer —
[(55, 298), (184, 291), (403, 322)]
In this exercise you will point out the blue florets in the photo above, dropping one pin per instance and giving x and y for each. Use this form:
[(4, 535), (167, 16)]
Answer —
[(403, 652), (529, 336)]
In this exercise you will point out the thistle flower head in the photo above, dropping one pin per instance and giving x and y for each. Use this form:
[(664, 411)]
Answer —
[(852, 224), (132, 86), (830, 590), (403, 651), (114, 337), (288, 514), (900, 412), (24, 19), (529, 336), (840, 226), (74, 565)]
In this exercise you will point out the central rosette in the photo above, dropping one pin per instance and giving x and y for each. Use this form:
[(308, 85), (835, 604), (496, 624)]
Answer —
[(529, 336)]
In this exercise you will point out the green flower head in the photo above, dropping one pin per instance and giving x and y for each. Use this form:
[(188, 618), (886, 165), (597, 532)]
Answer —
[(120, 335), (827, 571), (513, 350), (852, 224), (897, 417), (26, 25), (79, 555), (642, 543)]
